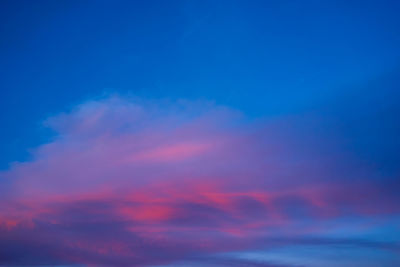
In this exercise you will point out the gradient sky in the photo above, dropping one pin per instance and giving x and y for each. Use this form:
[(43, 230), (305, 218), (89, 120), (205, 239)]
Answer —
[(200, 133)]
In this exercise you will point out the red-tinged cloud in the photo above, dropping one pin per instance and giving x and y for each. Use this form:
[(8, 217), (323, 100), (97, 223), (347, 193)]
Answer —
[(128, 182)]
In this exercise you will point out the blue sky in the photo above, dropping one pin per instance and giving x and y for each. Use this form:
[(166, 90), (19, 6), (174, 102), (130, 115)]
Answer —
[(239, 120), (262, 57)]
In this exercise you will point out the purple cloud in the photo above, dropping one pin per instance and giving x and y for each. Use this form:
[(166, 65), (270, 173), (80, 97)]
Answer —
[(152, 182)]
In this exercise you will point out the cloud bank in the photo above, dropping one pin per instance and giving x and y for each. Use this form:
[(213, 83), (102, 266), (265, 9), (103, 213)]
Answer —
[(146, 183)]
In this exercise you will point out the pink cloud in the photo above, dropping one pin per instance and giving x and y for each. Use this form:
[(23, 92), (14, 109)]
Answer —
[(173, 152), (139, 178)]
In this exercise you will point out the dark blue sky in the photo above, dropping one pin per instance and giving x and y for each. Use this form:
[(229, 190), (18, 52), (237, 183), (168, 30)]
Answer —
[(262, 57)]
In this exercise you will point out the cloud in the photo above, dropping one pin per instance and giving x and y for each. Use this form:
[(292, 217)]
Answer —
[(128, 181)]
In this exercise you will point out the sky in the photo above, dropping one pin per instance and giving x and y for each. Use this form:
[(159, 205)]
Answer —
[(200, 133)]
